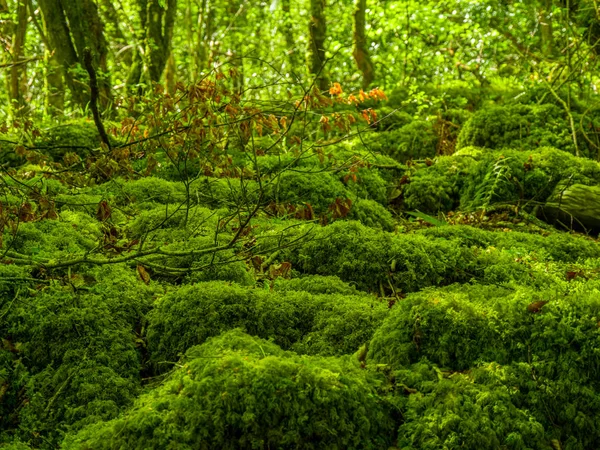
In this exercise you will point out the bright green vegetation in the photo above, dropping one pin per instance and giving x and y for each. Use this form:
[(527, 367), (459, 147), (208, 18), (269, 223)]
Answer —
[(303, 225)]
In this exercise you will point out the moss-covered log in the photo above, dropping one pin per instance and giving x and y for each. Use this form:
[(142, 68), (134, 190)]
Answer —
[(575, 207)]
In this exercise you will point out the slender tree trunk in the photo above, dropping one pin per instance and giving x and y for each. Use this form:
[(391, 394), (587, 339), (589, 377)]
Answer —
[(546, 28), (18, 71), (87, 30), (288, 34), (200, 55), (316, 46), (59, 38), (361, 52), (159, 22), (71, 27)]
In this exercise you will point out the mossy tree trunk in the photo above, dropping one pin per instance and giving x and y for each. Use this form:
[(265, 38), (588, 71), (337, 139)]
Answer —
[(18, 73), (159, 22), (546, 27), (156, 34), (361, 52), (316, 45), (575, 207), (288, 34), (71, 27)]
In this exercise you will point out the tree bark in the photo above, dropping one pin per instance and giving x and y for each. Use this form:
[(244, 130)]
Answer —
[(361, 52), (316, 46), (18, 71), (71, 27), (546, 27), (288, 34), (576, 207), (159, 34)]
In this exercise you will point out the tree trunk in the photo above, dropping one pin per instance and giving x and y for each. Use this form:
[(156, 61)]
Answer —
[(18, 72), (316, 46), (71, 27), (159, 23), (202, 39), (546, 28), (288, 34), (361, 52), (59, 38), (87, 30)]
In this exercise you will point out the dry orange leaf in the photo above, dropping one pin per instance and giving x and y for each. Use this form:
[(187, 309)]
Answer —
[(143, 274)]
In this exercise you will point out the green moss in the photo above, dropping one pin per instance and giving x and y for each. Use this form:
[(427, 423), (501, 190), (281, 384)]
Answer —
[(460, 412), (332, 324), (77, 136), (557, 246), (543, 354), (151, 189), (436, 188), (53, 238), (369, 185), (76, 351), (217, 400), (474, 179), (372, 214), (415, 140), (314, 284), (374, 259), (524, 127), (318, 189)]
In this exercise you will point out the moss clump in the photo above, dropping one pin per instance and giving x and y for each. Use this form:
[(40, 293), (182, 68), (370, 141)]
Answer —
[(509, 334), (524, 127), (415, 140), (314, 284), (369, 185), (149, 189), (318, 189), (77, 346), (436, 188), (556, 246), (191, 314), (374, 259), (317, 324), (474, 179), (460, 410), (237, 391), (77, 136), (372, 214)]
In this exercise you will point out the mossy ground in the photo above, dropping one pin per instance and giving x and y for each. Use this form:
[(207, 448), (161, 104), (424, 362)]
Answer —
[(339, 321)]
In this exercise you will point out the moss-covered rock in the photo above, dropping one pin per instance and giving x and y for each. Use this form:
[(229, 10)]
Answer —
[(372, 214), (523, 127), (324, 324), (415, 140), (77, 136), (318, 189), (237, 391), (75, 347), (474, 179), (538, 345)]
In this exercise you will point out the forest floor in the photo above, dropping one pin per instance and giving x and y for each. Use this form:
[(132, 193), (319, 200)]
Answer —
[(414, 287)]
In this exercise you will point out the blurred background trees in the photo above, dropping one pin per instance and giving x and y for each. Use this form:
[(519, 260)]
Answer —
[(404, 47)]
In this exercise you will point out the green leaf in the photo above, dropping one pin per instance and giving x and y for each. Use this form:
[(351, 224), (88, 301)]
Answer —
[(427, 218)]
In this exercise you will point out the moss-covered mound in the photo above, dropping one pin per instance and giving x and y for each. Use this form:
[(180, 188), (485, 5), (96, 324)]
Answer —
[(533, 352), (523, 127), (240, 392), (323, 324), (69, 355), (474, 178)]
